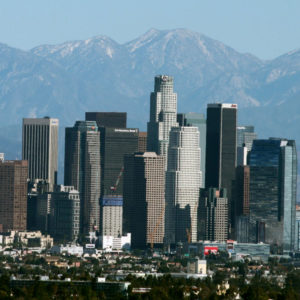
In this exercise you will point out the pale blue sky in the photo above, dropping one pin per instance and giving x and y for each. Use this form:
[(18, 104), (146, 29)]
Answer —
[(266, 28)]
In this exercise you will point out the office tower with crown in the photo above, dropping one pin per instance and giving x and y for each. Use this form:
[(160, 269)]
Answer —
[(163, 115), (40, 148), (83, 170), (183, 178)]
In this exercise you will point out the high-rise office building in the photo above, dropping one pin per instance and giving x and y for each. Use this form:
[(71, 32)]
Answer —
[(273, 184), (163, 115), (108, 119), (111, 215), (183, 178), (65, 214), (221, 148), (197, 120), (245, 136), (115, 143), (83, 170), (13, 195), (40, 148), (213, 215), (144, 198)]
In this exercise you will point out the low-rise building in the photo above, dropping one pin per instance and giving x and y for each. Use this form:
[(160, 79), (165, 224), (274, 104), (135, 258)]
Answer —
[(110, 243), (29, 239)]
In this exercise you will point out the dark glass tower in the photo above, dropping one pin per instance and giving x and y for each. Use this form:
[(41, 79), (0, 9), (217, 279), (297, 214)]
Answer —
[(115, 143), (221, 148), (273, 183)]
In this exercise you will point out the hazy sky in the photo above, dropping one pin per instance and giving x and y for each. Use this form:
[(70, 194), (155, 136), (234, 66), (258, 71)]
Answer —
[(266, 28)]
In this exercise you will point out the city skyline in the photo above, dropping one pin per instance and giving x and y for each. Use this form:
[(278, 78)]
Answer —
[(95, 149)]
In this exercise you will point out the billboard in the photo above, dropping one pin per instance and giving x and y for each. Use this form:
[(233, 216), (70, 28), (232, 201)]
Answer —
[(211, 249)]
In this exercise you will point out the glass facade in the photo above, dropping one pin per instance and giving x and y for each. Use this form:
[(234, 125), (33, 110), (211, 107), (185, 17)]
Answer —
[(273, 179)]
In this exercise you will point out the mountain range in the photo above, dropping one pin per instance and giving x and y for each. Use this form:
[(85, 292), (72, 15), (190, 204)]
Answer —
[(99, 74)]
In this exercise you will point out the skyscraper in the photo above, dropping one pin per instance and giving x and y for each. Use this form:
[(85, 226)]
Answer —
[(144, 198), (221, 148), (273, 184), (83, 170), (197, 120), (116, 141), (183, 178), (40, 148), (163, 115), (13, 195)]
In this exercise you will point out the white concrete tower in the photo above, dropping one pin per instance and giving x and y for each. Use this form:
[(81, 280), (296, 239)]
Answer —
[(183, 179), (163, 115)]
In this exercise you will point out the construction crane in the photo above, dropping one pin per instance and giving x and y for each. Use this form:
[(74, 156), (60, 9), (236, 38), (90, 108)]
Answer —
[(153, 232), (114, 187), (189, 230)]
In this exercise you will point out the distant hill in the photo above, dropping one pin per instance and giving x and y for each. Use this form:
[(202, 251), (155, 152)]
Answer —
[(99, 74)]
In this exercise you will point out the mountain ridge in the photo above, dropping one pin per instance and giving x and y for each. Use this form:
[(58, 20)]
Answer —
[(98, 73)]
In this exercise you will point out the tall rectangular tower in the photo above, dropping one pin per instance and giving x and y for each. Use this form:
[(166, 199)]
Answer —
[(13, 194), (40, 148), (83, 170), (273, 190), (115, 143), (221, 148), (144, 198), (183, 178), (197, 120), (163, 115)]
